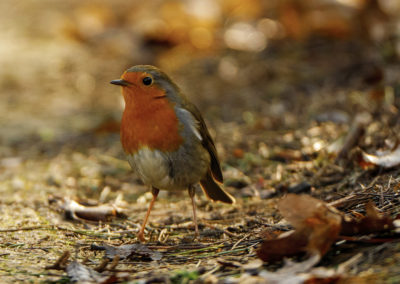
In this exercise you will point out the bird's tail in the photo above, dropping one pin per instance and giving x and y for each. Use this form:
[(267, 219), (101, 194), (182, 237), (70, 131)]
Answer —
[(214, 191)]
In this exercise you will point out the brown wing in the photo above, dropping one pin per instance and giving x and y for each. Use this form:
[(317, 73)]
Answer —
[(207, 143)]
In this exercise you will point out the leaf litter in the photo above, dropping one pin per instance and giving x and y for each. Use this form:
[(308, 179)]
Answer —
[(317, 227)]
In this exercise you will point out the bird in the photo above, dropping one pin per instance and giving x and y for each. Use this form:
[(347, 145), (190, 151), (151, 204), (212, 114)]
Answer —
[(166, 139)]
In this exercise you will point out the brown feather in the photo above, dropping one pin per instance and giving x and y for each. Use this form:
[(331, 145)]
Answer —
[(214, 191), (207, 142)]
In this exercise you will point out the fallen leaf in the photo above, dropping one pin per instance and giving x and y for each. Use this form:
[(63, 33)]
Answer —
[(317, 227), (285, 246), (128, 251), (372, 222)]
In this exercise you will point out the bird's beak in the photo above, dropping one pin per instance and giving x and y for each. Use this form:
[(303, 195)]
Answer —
[(120, 82)]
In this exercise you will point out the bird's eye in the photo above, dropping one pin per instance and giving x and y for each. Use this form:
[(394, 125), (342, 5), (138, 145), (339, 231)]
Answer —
[(147, 81)]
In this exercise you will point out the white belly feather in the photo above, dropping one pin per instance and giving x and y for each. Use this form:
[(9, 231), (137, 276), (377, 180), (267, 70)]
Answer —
[(152, 167)]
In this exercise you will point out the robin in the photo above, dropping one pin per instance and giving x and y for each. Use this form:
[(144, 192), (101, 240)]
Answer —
[(166, 140)]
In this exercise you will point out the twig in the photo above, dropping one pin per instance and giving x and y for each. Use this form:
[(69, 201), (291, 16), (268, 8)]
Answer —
[(239, 241), (382, 198), (356, 131), (373, 182), (163, 236), (60, 263), (345, 266), (368, 240), (223, 230), (389, 183), (341, 201), (223, 252), (102, 266), (25, 229), (114, 263), (132, 231), (54, 228), (216, 267), (197, 250)]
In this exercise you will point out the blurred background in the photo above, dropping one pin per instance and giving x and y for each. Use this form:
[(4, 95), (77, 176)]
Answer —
[(235, 59)]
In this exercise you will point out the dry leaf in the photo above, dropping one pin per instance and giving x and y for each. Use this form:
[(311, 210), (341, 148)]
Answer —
[(317, 227), (372, 222), (285, 246)]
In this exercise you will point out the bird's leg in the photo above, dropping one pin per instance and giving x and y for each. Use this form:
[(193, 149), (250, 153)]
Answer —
[(155, 192), (192, 192)]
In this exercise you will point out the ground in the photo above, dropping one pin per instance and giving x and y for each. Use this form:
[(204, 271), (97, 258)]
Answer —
[(279, 116)]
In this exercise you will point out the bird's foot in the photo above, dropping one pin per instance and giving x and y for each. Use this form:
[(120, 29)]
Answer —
[(141, 237)]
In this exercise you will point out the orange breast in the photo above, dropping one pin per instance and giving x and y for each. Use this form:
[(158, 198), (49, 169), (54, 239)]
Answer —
[(150, 122)]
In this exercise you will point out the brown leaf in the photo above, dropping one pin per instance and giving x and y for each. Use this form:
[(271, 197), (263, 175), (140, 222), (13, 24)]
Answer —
[(372, 222), (287, 246), (317, 227)]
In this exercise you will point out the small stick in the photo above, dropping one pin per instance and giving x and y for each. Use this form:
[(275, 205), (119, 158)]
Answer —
[(102, 266), (344, 266), (25, 229), (341, 201), (239, 241), (356, 131), (223, 230), (114, 263), (60, 263)]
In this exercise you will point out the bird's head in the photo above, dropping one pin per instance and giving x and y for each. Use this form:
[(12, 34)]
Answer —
[(147, 84)]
